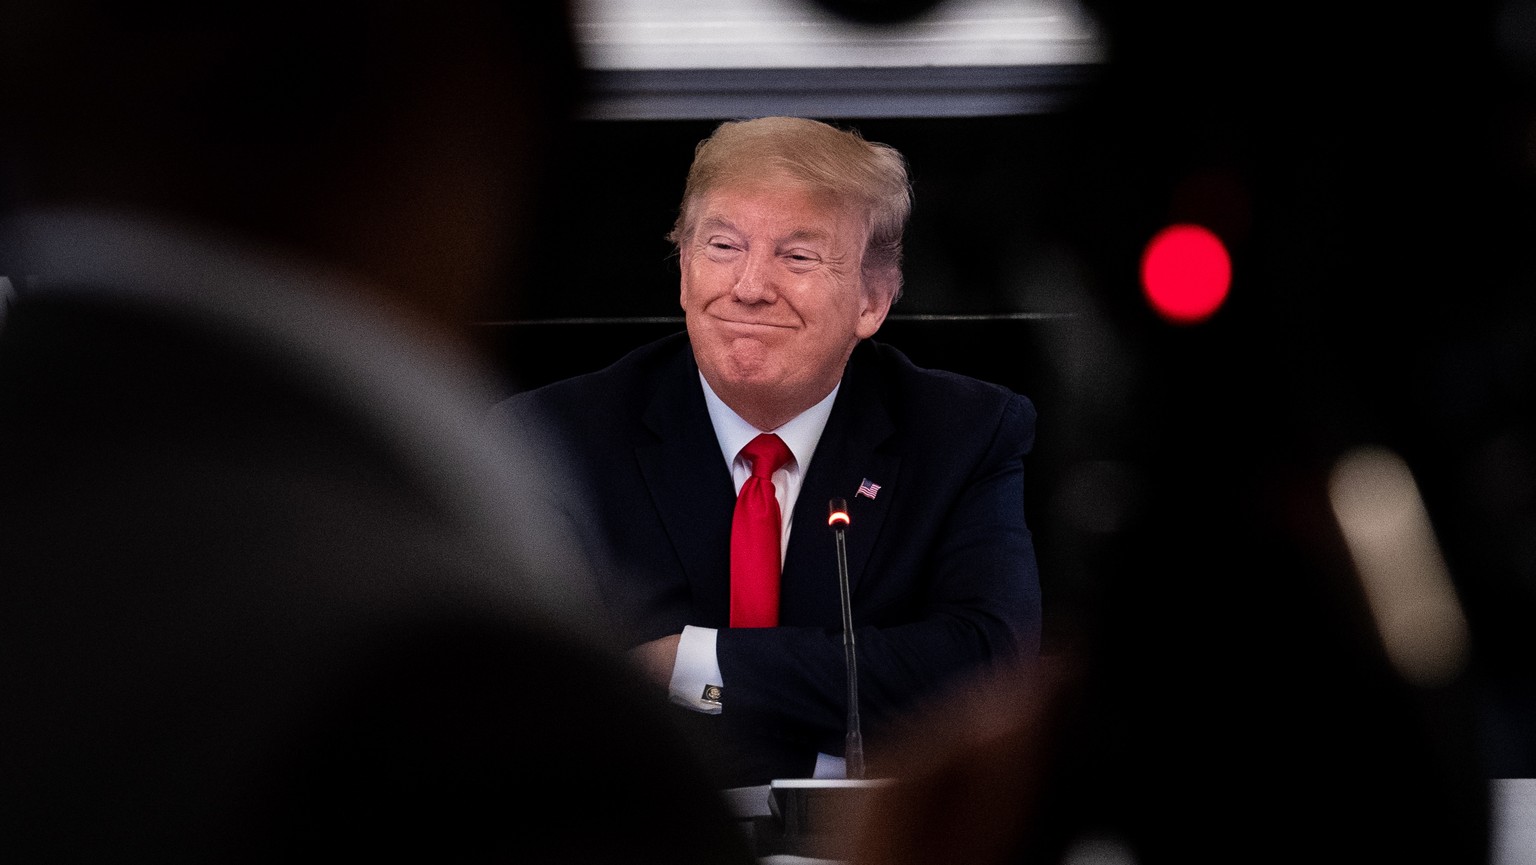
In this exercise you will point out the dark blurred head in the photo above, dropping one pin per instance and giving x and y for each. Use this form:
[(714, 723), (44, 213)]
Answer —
[(402, 142)]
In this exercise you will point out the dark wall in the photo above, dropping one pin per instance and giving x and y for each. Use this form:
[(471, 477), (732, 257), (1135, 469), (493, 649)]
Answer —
[(1372, 178)]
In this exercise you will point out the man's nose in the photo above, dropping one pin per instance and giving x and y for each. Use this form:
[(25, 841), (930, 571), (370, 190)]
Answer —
[(754, 282)]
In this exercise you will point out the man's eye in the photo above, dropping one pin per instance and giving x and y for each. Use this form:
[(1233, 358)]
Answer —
[(801, 257)]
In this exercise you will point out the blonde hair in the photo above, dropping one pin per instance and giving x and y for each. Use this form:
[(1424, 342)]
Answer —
[(866, 174)]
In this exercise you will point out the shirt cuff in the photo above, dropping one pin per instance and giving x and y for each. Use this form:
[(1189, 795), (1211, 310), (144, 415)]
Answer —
[(828, 766), (696, 681)]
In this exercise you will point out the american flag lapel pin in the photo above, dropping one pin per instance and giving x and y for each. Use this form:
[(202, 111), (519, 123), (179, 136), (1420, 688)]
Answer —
[(868, 489)]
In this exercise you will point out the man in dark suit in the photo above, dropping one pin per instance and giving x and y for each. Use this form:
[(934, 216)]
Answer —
[(789, 242), (267, 588)]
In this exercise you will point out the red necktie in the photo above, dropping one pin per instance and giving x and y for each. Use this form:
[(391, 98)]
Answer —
[(756, 538)]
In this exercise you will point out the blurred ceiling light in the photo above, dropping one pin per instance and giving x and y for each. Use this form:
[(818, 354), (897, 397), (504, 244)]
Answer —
[(667, 59)]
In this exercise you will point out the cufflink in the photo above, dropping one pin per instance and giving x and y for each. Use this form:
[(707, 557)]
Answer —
[(711, 694)]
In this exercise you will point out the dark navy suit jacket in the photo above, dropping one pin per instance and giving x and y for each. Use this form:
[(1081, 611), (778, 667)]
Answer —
[(940, 562)]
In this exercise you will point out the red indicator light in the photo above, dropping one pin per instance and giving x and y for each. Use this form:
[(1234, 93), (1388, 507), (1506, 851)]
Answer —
[(1185, 273)]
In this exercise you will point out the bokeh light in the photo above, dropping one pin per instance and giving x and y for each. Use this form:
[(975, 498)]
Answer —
[(1185, 273)]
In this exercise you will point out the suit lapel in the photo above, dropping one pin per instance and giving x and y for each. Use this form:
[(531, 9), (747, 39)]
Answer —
[(854, 447), (691, 486)]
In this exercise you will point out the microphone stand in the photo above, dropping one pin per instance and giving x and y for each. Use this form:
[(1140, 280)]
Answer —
[(837, 518), (813, 814)]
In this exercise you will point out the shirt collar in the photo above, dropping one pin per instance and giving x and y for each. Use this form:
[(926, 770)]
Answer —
[(801, 433)]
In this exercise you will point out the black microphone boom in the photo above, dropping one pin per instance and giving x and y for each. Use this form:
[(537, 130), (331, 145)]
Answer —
[(837, 518)]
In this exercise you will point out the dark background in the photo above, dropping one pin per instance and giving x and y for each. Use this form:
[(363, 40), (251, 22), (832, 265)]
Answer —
[(1370, 170)]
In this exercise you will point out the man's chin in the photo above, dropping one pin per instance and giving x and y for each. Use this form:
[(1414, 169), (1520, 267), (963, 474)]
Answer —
[(746, 367), (744, 375)]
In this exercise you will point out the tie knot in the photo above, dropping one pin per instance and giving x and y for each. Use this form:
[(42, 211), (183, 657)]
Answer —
[(767, 453)]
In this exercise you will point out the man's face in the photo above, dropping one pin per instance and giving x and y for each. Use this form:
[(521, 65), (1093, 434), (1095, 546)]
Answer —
[(773, 293)]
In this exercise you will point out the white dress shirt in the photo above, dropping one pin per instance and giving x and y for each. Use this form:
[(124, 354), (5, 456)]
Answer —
[(697, 666)]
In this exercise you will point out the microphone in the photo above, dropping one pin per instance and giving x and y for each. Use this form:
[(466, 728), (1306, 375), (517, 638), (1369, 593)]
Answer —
[(815, 814), (837, 519)]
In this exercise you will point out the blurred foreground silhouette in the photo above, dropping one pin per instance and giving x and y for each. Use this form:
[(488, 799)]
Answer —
[(266, 588)]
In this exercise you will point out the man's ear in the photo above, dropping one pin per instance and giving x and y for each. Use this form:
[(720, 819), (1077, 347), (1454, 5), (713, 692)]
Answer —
[(683, 256), (879, 293)]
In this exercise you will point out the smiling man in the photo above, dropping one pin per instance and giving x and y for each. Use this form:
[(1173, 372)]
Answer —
[(789, 243), (776, 293)]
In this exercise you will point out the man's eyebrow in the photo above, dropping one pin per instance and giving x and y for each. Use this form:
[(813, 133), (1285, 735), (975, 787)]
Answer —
[(805, 234), (713, 223), (709, 222)]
